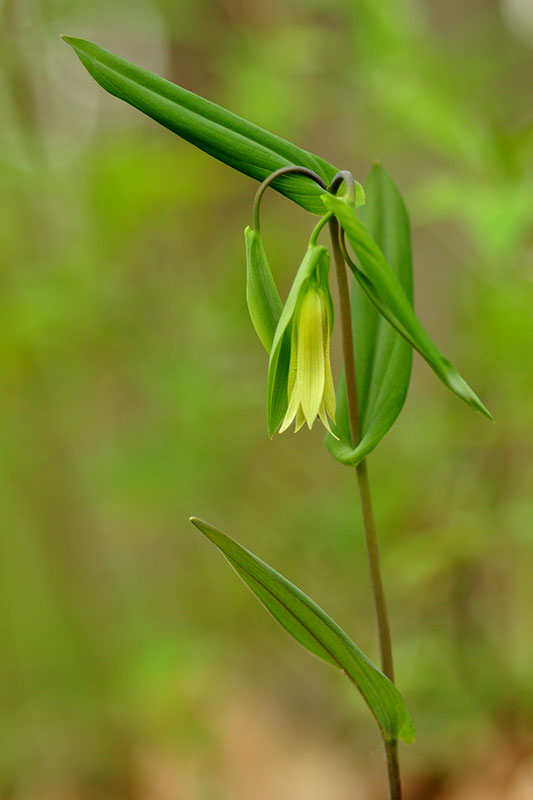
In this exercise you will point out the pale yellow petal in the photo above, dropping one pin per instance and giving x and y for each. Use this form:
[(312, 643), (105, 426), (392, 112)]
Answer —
[(324, 419), (310, 370), (329, 398), (293, 363), (293, 399), (292, 410), (300, 419)]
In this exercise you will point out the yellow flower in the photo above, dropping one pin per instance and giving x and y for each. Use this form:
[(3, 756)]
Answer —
[(310, 382), (300, 386)]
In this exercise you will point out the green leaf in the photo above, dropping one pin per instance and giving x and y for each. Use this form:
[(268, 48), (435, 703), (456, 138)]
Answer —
[(382, 357), (227, 137), (262, 296), (317, 632), (316, 257), (382, 286)]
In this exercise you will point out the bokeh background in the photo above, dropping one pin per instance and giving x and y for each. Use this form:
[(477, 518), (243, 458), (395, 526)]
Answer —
[(133, 663)]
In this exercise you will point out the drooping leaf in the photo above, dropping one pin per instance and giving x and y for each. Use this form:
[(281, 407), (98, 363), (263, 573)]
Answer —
[(382, 286), (222, 134), (316, 257), (382, 357), (318, 633), (262, 296)]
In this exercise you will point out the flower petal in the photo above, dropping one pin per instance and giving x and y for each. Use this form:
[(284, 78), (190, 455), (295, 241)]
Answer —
[(277, 395), (324, 419), (329, 398), (300, 419), (310, 372), (292, 410)]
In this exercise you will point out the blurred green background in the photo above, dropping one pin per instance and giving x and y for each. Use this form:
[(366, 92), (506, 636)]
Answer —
[(133, 664)]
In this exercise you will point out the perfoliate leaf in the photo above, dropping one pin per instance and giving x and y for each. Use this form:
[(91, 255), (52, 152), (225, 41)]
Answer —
[(227, 137), (382, 357), (262, 296), (382, 286), (316, 259), (318, 633)]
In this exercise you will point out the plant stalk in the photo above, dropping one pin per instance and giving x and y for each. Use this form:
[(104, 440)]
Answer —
[(385, 645)]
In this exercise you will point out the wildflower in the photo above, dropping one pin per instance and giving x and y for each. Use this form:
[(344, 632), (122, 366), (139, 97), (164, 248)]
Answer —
[(300, 383), (310, 383)]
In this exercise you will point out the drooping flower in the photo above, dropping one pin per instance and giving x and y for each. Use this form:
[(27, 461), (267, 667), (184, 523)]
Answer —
[(310, 388), (300, 383)]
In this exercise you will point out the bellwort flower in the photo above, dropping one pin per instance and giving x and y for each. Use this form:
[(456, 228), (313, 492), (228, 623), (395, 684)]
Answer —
[(310, 388), (300, 383)]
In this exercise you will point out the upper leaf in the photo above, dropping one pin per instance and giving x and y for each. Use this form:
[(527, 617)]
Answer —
[(224, 135), (382, 357), (382, 286), (318, 633)]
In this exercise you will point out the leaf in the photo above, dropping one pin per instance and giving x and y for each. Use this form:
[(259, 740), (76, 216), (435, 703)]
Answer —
[(224, 135), (316, 257), (317, 632), (382, 286), (262, 296), (382, 357)]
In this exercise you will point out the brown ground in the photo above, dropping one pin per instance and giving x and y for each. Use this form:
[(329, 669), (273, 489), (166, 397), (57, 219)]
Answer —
[(258, 758)]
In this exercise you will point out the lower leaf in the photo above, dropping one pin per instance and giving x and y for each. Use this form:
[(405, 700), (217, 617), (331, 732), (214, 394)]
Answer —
[(318, 633)]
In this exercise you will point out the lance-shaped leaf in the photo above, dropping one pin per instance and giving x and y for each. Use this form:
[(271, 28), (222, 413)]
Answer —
[(382, 286), (382, 357), (316, 257), (262, 296), (222, 134), (318, 633)]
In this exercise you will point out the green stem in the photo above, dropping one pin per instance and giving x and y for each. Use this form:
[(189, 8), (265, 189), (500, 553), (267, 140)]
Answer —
[(391, 748), (382, 616), (393, 770), (323, 221)]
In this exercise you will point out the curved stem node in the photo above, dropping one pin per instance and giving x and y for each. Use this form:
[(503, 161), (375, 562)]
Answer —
[(347, 178), (278, 173)]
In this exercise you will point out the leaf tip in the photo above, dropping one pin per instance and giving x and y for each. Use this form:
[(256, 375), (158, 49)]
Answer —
[(482, 408), (474, 402), (478, 405), (487, 414)]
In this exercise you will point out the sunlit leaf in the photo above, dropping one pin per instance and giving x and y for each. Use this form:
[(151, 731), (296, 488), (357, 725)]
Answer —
[(318, 633), (224, 135), (382, 286), (382, 357)]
